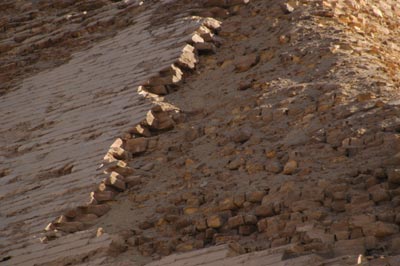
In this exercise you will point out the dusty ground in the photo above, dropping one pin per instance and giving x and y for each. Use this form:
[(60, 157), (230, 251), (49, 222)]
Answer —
[(287, 134)]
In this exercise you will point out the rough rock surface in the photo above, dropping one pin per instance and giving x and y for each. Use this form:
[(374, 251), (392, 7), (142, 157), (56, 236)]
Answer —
[(269, 130)]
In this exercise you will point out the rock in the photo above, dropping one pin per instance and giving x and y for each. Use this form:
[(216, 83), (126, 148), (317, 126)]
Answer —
[(98, 210), (235, 221), (250, 219), (246, 62), (189, 245), (159, 120), (395, 245), (188, 58), (116, 180), (132, 181), (265, 210), (262, 225), (379, 194), (205, 47), (215, 221), (287, 8), (273, 166), (241, 136), (255, 196), (86, 218), (238, 200), (140, 130), (302, 205), (349, 247), (394, 176), (137, 145), (380, 229), (158, 89), (201, 224), (103, 196), (290, 167), (69, 227), (227, 204), (246, 230)]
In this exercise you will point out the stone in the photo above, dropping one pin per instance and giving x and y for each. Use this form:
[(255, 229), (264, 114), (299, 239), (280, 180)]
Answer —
[(287, 8), (394, 176), (302, 205), (235, 221), (116, 180), (246, 230), (262, 225), (157, 89), (159, 120), (102, 196), (201, 224), (215, 221), (69, 227), (140, 130), (132, 181), (136, 145), (379, 194), (290, 167), (86, 218), (265, 210), (239, 199), (273, 166), (205, 47), (250, 219), (255, 196), (349, 247), (380, 229), (98, 210), (188, 58), (227, 204), (246, 62)]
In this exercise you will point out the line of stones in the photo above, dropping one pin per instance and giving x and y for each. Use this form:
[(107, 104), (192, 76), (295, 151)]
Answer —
[(119, 176)]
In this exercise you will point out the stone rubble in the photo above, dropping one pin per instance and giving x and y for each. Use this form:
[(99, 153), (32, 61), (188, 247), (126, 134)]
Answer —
[(300, 166)]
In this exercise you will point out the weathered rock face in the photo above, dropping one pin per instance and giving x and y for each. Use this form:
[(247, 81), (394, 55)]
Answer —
[(276, 129)]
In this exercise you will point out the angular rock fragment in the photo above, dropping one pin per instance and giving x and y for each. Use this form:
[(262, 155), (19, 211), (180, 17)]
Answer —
[(136, 145)]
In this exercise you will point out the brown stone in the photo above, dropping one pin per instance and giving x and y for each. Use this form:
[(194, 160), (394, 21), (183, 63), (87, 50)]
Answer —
[(235, 221), (137, 145), (132, 181), (273, 166), (246, 230), (255, 196), (265, 210), (159, 120), (215, 221), (238, 200), (246, 62), (250, 219), (98, 210), (379, 194), (210, 232), (88, 218), (349, 247), (394, 176), (116, 180), (380, 229), (157, 89), (290, 167), (227, 204), (69, 227), (201, 224), (302, 205), (262, 225), (205, 47), (101, 196), (140, 130)]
